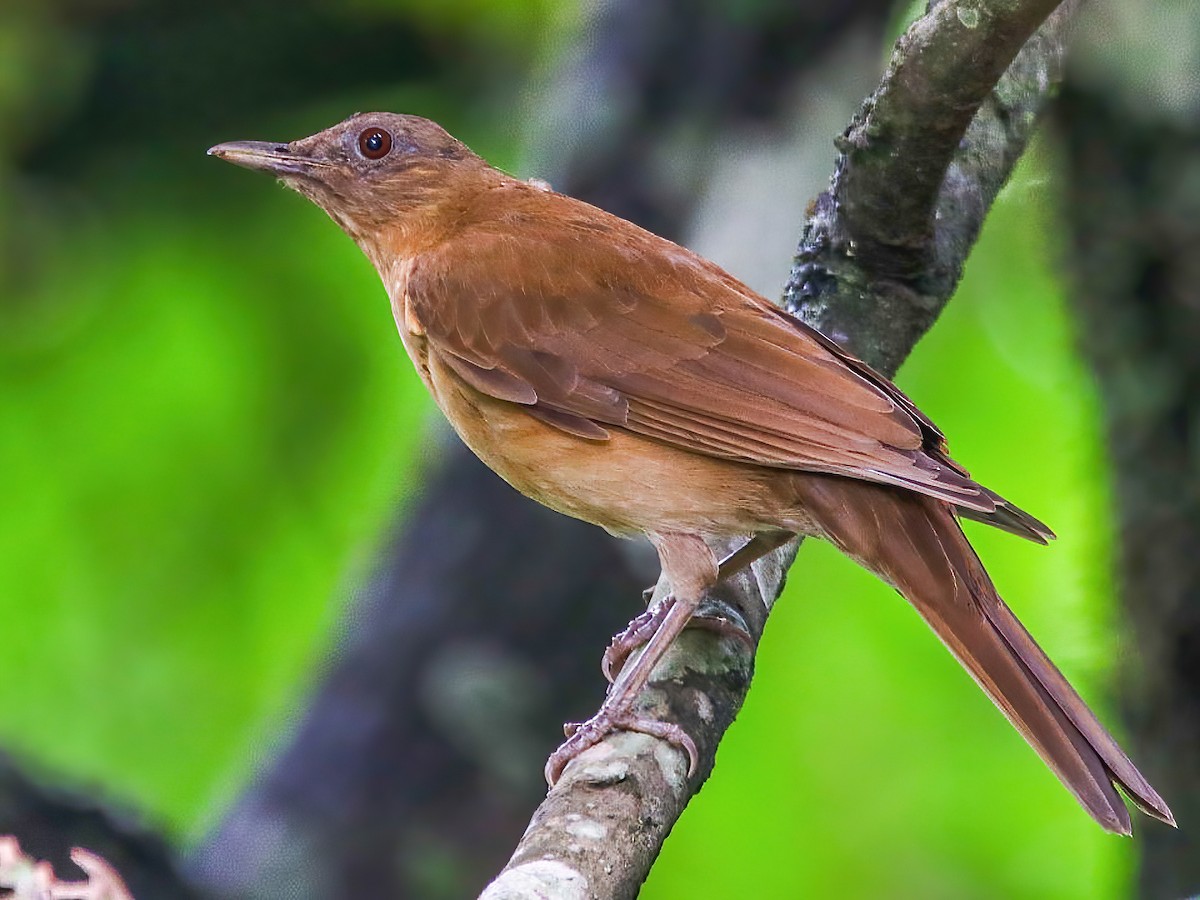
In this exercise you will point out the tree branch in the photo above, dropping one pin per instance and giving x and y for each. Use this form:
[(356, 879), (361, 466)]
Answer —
[(896, 152), (876, 283), (874, 268)]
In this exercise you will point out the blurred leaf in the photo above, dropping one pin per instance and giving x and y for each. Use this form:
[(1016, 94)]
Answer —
[(194, 461)]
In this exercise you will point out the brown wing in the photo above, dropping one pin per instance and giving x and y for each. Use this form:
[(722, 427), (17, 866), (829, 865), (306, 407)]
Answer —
[(594, 323)]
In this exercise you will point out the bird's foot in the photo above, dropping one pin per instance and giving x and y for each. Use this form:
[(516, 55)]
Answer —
[(643, 627), (610, 719), (636, 633)]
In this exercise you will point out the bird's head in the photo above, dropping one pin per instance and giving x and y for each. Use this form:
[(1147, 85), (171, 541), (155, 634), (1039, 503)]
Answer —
[(371, 173)]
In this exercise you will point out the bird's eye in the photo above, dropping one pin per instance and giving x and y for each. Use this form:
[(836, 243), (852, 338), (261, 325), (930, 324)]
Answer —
[(374, 143)]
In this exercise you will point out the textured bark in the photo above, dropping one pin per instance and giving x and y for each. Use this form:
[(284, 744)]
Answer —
[(1133, 206), (897, 263), (628, 792), (601, 827), (942, 70)]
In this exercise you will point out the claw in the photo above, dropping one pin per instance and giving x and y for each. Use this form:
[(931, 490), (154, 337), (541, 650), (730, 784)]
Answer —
[(691, 568), (636, 633), (642, 628), (584, 736)]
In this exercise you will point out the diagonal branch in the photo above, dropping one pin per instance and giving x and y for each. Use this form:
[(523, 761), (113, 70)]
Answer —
[(874, 273), (880, 254), (896, 151)]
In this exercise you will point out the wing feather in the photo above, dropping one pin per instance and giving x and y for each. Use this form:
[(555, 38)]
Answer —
[(594, 323)]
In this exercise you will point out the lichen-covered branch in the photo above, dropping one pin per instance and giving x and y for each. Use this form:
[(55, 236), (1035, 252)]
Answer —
[(849, 279), (875, 286), (601, 827), (941, 71)]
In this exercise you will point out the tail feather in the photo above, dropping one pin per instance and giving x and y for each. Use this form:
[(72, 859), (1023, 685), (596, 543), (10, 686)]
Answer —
[(1121, 770), (915, 543), (1008, 517)]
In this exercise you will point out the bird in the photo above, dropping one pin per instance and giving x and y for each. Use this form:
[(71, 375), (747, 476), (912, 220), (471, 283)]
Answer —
[(619, 378)]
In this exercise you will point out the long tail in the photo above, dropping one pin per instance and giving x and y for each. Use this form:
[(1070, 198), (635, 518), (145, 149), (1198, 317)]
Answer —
[(915, 544)]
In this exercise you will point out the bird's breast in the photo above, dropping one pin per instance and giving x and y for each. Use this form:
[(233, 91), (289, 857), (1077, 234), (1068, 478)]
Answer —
[(412, 332), (626, 484)]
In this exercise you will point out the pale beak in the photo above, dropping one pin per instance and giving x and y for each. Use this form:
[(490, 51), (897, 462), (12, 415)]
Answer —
[(265, 156)]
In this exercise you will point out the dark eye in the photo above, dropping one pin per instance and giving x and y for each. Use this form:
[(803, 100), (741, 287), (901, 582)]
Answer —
[(375, 143)]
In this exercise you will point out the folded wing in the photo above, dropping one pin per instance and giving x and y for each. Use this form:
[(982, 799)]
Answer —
[(654, 339)]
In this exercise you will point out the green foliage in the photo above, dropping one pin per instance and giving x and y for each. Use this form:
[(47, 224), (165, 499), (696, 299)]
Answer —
[(196, 458), (513, 22)]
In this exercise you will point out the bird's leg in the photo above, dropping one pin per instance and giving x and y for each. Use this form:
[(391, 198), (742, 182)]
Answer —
[(645, 625), (617, 712), (691, 569)]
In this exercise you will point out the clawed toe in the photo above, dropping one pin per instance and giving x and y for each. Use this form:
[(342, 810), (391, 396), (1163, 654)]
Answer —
[(642, 628), (583, 736), (636, 633), (723, 627)]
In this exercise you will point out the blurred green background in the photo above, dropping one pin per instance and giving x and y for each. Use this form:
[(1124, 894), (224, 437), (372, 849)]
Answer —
[(207, 421)]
